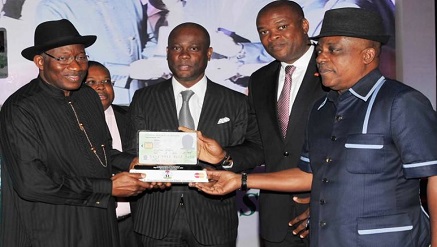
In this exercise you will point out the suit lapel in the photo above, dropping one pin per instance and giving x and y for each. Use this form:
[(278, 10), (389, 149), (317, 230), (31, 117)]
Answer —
[(270, 91), (167, 106), (211, 108), (304, 98), (122, 120)]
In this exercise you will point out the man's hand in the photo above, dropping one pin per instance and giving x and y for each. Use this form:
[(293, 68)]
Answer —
[(220, 183), (301, 220), (126, 184), (208, 150), (133, 163)]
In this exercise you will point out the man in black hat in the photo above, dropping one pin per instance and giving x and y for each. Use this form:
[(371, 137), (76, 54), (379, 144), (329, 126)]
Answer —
[(57, 184), (369, 141)]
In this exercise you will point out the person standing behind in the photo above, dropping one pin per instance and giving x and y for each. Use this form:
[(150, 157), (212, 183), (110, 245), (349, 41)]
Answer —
[(282, 29), (182, 216), (58, 186), (99, 79)]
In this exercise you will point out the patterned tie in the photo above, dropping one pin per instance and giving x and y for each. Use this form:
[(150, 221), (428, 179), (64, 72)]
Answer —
[(185, 118), (284, 100)]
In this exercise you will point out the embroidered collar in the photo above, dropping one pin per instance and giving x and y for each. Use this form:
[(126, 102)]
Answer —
[(363, 89)]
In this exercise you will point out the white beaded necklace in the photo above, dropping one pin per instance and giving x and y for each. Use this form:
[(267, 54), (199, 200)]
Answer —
[(93, 149)]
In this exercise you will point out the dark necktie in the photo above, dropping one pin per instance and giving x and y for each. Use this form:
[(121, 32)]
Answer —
[(284, 100), (185, 118)]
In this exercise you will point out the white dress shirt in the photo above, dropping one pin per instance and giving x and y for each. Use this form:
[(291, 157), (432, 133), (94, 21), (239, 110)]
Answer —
[(301, 67), (123, 208), (196, 101)]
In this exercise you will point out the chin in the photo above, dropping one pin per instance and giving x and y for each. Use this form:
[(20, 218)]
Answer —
[(72, 87)]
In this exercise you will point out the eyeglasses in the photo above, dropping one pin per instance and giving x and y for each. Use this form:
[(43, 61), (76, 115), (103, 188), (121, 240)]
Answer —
[(81, 58), (93, 83)]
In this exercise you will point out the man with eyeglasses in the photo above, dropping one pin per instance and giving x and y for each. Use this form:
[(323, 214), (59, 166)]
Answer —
[(58, 182)]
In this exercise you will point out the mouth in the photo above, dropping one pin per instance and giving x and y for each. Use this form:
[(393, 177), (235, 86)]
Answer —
[(102, 96), (323, 70), (276, 46), (184, 67), (74, 78)]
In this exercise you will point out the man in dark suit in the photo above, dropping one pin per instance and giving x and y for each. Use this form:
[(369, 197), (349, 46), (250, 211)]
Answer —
[(282, 29), (182, 216), (99, 78)]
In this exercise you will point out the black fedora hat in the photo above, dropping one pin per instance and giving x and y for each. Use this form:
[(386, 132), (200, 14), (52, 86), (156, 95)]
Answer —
[(353, 22), (52, 34)]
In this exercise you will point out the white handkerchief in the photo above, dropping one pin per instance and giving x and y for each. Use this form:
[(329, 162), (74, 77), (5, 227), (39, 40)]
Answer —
[(123, 208), (223, 120)]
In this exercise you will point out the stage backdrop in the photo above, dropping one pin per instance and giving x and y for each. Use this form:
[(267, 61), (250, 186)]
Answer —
[(132, 38)]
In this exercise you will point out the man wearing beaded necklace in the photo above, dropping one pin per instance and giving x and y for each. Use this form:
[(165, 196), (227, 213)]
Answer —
[(58, 156)]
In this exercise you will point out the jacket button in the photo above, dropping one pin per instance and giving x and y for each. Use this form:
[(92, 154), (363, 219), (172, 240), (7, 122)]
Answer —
[(286, 153), (322, 202), (338, 118), (333, 138), (328, 160), (325, 180), (322, 223)]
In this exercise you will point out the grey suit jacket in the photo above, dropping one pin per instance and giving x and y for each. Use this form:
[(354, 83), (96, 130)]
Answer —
[(277, 209), (212, 219)]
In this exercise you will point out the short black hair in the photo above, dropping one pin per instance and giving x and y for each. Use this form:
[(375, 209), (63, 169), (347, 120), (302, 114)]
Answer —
[(295, 7)]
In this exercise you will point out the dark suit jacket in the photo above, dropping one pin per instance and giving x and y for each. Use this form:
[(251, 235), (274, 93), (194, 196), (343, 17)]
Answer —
[(122, 118), (277, 209), (212, 219)]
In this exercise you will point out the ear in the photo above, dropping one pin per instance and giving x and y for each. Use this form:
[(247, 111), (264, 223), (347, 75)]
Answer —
[(210, 50), (39, 61), (369, 55), (305, 25)]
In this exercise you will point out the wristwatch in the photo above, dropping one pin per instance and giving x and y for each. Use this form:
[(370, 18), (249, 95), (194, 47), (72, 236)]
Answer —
[(243, 181), (226, 162)]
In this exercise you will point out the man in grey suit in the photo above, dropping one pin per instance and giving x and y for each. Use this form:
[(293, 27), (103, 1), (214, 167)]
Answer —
[(182, 216)]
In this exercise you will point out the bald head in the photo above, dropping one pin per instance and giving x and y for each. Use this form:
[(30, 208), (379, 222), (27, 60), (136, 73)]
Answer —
[(190, 26)]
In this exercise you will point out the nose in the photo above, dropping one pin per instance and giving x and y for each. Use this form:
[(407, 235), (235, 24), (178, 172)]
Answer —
[(321, 57), (184, 54), (273, 35), (99, 85), (74, 65)]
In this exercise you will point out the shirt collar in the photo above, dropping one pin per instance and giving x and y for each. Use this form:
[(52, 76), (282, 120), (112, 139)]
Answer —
[(363, 89), (199, 88), (55, 91), (109, 111), (303, 61)]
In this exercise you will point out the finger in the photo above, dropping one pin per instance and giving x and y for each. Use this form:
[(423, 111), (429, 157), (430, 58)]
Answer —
[(134, 175), (304, 200), (304, 234), (301, 227), (185, 129), (294, 221), (301, 217)]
